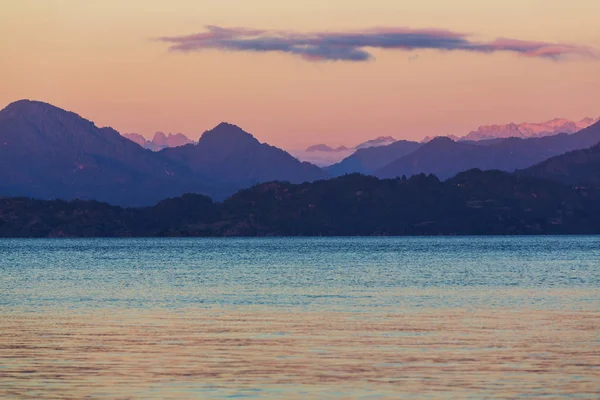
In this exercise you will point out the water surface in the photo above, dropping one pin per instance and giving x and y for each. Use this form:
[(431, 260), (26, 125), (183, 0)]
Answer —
[(466, 317)]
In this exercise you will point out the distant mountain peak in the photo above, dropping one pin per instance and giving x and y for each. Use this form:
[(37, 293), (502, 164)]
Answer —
[(385, 139), (227, 127), (34, 109), (441, 139), (135, 137), (160, 140), (529, 129), (325, 148), (428, 139), (379, 141), (228, 134), (232, 155), (589, 121), (51, 124), (441, 143), (28, 104), (159, 137), (170, 140)]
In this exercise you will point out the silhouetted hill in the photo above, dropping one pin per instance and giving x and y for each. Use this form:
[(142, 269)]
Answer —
[(46, 152), (474, 202), (368, 160), (445, 158), (579, 167), (229, 154)]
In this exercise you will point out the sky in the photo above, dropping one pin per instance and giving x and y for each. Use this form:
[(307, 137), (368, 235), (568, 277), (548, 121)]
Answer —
[(297, 73)]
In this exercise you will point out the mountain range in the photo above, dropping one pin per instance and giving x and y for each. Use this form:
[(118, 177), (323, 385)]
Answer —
[(160, 140), (50, 153), (47, 152), (529, 130), (325, 156), (445, 158)]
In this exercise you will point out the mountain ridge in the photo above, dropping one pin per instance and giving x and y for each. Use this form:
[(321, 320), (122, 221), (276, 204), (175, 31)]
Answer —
[(445, 157), (578, 167), (231, 154), (47, 152), (368, 160), (529, 129), (50, 153), (327, 156)]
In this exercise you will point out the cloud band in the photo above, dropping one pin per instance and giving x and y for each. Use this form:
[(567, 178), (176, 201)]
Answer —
[(353, 46)]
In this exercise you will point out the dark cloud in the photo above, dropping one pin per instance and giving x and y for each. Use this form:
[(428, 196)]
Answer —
[(352, 46)]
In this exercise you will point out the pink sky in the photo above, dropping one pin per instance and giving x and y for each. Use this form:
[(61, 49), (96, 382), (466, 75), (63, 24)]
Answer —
[(101, 59)]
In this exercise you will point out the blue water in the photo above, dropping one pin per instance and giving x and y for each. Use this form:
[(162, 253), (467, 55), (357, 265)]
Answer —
[(312, 273), (297, 318)]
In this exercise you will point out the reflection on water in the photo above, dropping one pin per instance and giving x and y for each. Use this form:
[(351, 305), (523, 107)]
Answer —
[(274, 354), (301, 318)]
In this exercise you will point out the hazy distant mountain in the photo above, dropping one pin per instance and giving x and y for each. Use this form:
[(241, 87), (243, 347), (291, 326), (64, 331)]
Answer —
[(369, 159), (441, 156), (229, 154), (579, 167), (171, 140), (139, 139), (324, 155), (160, 140), (529, 130), (321, 158), (445, 157), (325, 148), (339, 162), (380, 141), (327, 156), (47, 152)]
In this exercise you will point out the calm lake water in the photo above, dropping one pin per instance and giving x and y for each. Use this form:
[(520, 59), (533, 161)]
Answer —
[(327, 318)]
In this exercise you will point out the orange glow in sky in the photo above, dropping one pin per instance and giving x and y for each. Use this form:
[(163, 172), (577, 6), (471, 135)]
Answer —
[(101, 60)]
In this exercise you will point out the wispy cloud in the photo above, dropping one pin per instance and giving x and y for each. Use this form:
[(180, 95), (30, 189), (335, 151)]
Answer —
[(353, 46)]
